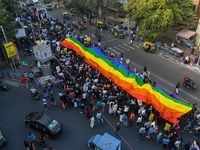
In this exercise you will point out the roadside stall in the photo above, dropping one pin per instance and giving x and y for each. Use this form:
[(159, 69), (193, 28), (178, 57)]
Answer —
[(43, 81), (179, 51), (186, 38)]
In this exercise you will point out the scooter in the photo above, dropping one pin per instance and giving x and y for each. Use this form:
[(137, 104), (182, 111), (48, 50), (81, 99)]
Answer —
[(34, 93), (28, 52), (189, 83), (3, 87)]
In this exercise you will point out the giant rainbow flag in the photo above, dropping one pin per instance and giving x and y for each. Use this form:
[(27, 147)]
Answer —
[(168, 107)]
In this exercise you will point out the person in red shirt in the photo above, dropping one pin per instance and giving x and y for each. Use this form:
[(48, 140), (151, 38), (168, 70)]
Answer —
[(24, 79)]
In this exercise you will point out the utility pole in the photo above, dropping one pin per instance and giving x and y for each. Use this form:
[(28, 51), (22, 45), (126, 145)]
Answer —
[(7, 42)]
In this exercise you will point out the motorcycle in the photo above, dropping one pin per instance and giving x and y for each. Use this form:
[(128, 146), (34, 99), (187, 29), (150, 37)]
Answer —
[(28, 52), (189, 83), (3, 87), (34, 93)]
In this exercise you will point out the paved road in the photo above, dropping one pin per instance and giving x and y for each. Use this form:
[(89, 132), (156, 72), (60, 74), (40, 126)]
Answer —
[(163, 70), (17, 103)]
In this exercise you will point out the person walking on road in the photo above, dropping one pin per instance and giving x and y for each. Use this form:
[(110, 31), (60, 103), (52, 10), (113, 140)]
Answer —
[(122, 56), (145, 69), (52, 99), (31, 76), (118, 127), (99, 118), (27, 144), (141, 132), (45, 92), (45, 103), (192, 52), (31, 138), (24, 79), (105, 46), (178, 85), (99, 41), (131, 118), (92, 120)]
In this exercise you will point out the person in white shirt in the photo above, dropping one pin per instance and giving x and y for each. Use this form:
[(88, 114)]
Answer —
[(177, 143), (198, 115)]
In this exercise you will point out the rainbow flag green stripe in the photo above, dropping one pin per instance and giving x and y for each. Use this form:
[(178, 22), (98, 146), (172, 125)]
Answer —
[(168, 107)]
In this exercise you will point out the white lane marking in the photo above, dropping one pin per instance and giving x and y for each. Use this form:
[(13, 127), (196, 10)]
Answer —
[(136, 45), (123, 48), (119, 49), (128, 46), (114, 50), (109, 41)]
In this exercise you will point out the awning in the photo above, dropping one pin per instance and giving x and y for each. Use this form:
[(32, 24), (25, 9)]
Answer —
[(186, 34)]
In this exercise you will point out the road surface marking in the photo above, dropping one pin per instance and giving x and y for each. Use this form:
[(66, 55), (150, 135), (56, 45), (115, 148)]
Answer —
[(136, 45), (167, 82), (128, 46), (109, 41), (119, 49), (114, 50), (123, 48)]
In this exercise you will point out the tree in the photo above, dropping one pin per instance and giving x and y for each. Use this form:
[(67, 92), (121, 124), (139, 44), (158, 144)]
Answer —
[(157, 17), (77, 4), (5, 22)]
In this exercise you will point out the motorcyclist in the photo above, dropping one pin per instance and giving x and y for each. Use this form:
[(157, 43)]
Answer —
[(185, 81)]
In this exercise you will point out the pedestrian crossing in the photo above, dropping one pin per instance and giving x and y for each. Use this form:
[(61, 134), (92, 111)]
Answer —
[(118, 49)]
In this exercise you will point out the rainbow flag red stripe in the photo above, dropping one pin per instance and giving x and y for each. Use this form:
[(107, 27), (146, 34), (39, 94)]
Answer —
[(168, 107)]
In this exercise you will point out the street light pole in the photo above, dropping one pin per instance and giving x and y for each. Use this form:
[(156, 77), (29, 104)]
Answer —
[(4, 34), (7, 42)]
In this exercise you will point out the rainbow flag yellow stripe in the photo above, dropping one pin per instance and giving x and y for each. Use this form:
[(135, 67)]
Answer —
[(168, 107)]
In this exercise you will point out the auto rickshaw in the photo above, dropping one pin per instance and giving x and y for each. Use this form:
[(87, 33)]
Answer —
[(119, 34), (66, 15), (100, 24), (149, 47)]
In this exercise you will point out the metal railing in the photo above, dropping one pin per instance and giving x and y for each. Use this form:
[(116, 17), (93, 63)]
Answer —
[(10, 75)]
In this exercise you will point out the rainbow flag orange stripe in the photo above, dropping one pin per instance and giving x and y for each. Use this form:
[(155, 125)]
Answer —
[(168, 107)]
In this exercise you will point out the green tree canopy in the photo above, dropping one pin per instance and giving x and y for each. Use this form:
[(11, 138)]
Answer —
[(5, 22), (156, 17)]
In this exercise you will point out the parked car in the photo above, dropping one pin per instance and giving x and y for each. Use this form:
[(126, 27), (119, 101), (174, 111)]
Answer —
[(77, 24), (43, 123)]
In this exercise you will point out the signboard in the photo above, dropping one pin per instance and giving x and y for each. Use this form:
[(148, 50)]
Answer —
[(42, 52), (10, 49), (88, 39)]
